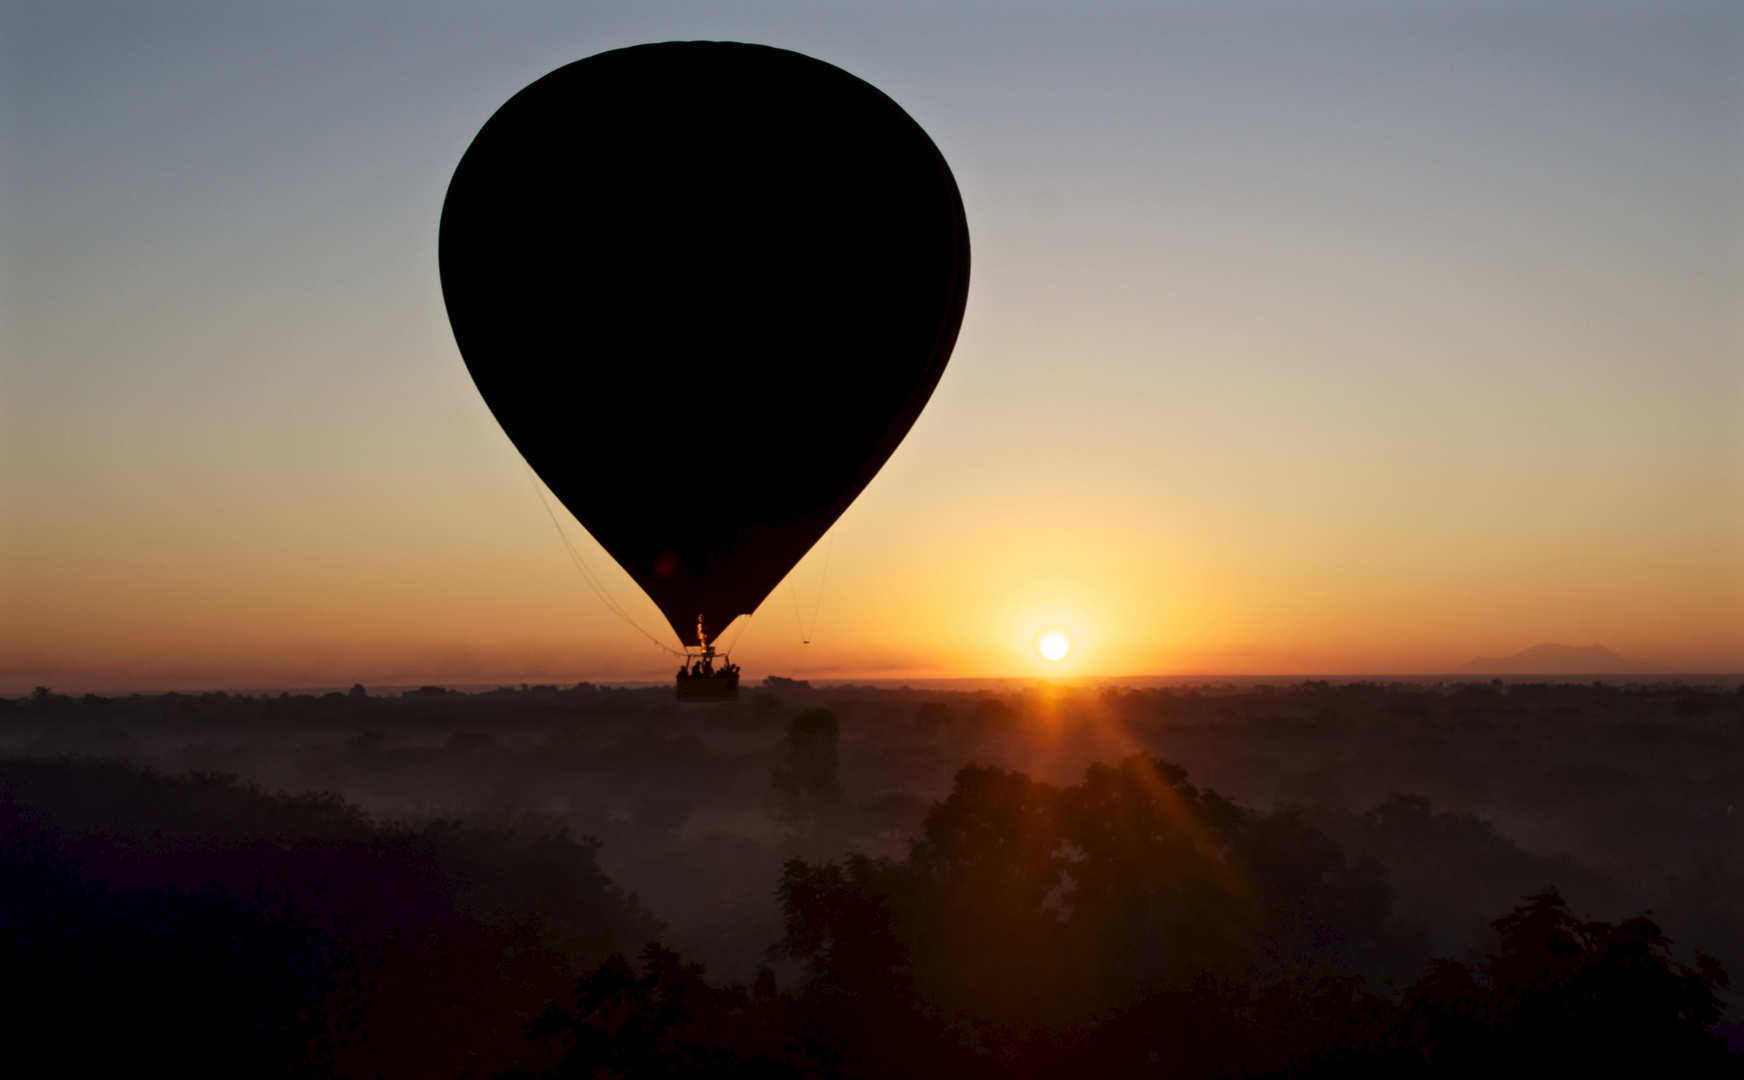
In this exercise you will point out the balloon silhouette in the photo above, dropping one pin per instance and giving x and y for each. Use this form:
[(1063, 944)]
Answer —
[(706, 287)]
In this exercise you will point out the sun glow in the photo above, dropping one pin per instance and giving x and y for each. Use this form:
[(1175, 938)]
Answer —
[(1054, 645)]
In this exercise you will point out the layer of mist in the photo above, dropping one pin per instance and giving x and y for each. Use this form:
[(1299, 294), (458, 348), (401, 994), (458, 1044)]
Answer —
[(1398, 822)]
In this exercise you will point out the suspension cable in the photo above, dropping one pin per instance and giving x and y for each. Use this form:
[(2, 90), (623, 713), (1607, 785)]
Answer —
[(598, 587), (805, 635)]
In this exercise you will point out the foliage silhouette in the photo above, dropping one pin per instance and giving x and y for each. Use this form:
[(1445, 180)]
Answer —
[(1027, 915), (668, 1022), (109, 980), (804, 781), (1134, 924), (252, 933), (1048, 915), (1562, 995)]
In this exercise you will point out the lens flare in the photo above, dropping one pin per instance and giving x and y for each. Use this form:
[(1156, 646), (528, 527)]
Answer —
[(1054, 645)]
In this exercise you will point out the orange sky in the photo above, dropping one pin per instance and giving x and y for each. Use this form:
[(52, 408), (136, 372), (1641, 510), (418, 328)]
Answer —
[(1312, 344)]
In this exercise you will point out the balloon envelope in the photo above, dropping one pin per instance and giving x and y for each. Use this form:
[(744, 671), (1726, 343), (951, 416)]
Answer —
[(706, 288)]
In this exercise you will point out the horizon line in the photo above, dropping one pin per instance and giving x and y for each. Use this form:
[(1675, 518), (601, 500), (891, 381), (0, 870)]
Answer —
[(959, 683)]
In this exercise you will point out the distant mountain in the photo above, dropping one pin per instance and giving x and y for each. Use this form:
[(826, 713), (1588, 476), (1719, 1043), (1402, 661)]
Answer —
[(1561, 660)]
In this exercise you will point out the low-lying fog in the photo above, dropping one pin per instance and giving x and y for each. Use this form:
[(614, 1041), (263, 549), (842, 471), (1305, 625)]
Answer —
[(1470, 796)]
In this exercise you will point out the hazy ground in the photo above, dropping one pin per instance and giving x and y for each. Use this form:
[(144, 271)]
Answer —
[(1626, 798)]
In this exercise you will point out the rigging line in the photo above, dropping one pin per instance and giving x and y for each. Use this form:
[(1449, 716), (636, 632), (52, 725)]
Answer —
[(805, 635), (596, 586), (823, 579), (592, 580), (798, 619), (747, 625), (599, 590)]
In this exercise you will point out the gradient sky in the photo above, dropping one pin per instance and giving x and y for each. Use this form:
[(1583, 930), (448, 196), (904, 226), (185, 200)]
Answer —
[(1303, 338)]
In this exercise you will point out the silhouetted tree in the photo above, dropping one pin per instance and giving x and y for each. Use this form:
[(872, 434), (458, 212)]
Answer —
[(1560, 996), (804, 781), (669, 1022), (104, 980), (1035, 926), (932, 718), (212, 928)]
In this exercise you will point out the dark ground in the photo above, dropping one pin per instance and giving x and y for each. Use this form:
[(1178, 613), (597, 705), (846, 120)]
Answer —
[(1461, 799)]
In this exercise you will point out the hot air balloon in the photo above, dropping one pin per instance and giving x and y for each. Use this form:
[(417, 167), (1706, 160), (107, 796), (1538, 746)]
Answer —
[(706, 288)]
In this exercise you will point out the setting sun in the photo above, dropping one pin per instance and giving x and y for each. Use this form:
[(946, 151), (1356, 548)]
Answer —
[(1054, 645)]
